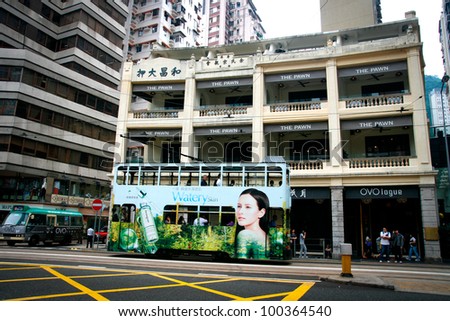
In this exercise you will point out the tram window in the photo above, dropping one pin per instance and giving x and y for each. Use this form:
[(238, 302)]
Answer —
[(211, 213), (148, 177), (274, 179), (170, 213), (192, 213), (254, 179), (185, 179), (133, 180), (116, 213), (177, 178), (128, 213), (232, 179), (275, 215), (121, 176), (228, 217), (168, 177), (194, 181)]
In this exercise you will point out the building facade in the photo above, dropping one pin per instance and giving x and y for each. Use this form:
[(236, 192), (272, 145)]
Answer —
[(165, 23), (232, 21), (343, 14), (345, 110), (444, 31), (60, 67), (440, 113)]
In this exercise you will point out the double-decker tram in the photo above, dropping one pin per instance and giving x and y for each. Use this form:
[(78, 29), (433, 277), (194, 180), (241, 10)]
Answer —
[(233, 210)]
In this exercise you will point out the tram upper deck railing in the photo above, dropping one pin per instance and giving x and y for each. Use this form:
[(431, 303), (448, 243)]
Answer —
[(251, 174)]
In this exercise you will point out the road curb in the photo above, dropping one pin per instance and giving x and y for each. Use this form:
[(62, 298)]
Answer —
[(372, 282)]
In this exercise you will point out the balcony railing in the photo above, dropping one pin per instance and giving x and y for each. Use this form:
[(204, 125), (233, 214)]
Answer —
[(222, 110), (382, 162), (306, 165), (374, 101), (297, 106), (156, 114)]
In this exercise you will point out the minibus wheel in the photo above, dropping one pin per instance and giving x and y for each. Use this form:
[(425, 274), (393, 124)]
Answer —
[(34, 240)]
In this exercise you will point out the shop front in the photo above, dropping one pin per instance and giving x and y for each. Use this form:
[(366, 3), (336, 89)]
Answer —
[(311, 212), (367, 209)]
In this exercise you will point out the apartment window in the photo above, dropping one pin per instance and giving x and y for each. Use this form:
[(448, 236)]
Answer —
[(40, 81), (62, 89), (35, 113), (10, 73), (8, 107), (29, 147)]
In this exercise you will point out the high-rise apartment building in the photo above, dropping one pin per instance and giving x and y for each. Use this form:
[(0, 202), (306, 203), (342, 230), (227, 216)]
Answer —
[(232, 21), (444, 30), (60, 65), (345, 14), (164, 23), (439, 111)]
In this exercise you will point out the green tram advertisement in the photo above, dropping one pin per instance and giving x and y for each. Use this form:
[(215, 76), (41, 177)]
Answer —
[(230, 210)]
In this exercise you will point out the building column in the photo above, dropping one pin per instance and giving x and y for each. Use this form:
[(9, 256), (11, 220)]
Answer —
[(430, 221), (126, 91), (190, 100), (337, 218), (335, 140), (421, 138), (258, 150)]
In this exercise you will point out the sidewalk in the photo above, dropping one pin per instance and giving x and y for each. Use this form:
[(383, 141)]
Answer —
[(82, 246), (419, 277)]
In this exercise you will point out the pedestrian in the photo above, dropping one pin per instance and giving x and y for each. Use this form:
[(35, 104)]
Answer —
[(413, 248), (303, 249), (328, 251), (293, 238), (385, 237), (368, 248), (43, 191), (397, 246), (90, 237)]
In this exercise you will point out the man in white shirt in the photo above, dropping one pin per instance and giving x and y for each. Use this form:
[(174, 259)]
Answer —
[(200, 221), (90, 237), (385, 244)]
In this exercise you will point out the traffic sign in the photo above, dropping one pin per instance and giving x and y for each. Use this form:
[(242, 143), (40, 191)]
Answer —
[(97, 204)]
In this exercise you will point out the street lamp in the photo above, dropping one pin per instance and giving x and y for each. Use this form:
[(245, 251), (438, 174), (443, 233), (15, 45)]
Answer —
[(444, 80)]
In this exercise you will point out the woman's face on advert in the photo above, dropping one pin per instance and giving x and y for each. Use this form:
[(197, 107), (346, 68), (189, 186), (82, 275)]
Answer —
[(247, 211)]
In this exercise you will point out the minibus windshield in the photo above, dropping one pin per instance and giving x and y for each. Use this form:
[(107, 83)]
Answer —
[(15, 219)]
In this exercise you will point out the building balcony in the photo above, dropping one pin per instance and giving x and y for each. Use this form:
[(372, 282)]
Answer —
[(402, 165), (295, 106), (155, 114), (222, 110), (373, 101), (378, 162)]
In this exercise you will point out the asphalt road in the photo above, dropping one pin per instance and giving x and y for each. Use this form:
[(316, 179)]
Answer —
[(79, 274)]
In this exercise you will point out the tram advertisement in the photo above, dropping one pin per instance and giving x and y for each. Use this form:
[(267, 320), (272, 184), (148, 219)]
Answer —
[(242, 223)]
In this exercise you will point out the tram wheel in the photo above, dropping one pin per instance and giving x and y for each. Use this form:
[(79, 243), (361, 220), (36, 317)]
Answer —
[(11, 243)]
